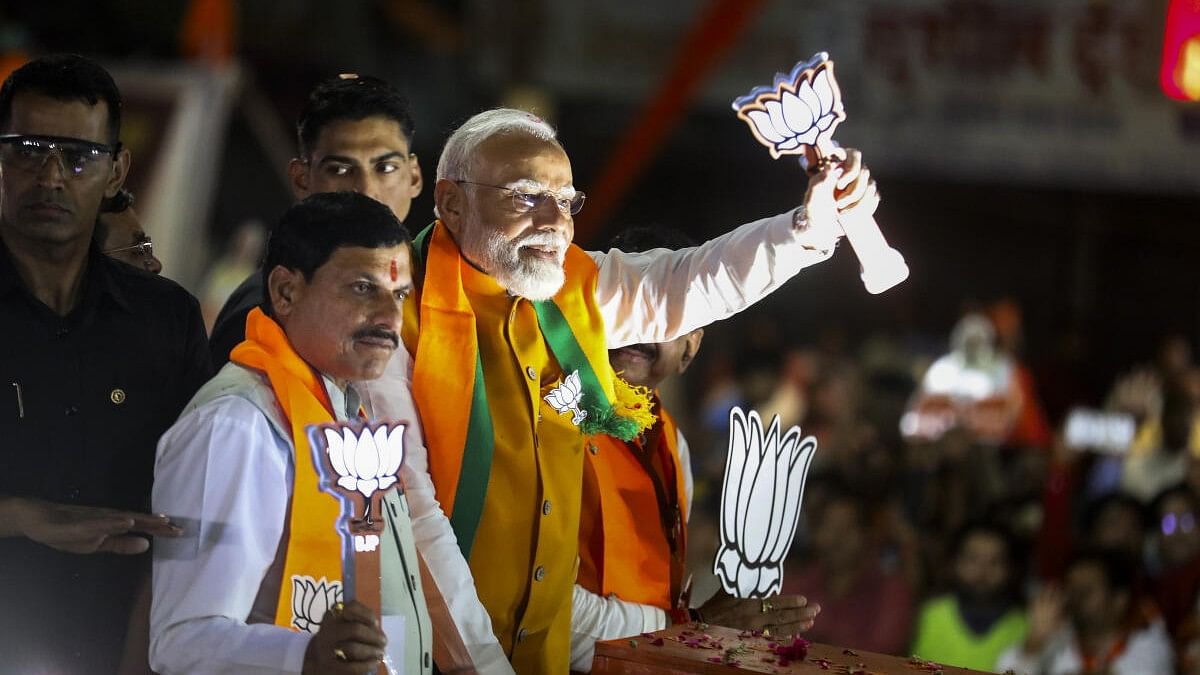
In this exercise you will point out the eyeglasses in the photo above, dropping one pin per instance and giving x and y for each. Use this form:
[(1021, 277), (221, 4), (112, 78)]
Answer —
[(524, 202), (144, 248), (75, 157)]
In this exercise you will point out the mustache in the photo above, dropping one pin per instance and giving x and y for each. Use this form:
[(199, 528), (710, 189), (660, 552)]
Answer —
[(381, 333), (543, 239)]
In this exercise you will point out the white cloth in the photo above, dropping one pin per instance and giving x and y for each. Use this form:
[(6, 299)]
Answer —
[(654, 296), (1148, 652), (225, 476)]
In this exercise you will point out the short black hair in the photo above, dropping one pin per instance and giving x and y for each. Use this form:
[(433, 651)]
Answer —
[(64, 77), (311, 230), (350, 97), (641, 238)]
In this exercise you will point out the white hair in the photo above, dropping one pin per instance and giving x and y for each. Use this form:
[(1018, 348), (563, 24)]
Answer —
[(460, 147)]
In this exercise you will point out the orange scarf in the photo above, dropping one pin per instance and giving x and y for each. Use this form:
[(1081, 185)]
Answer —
[(312, 570), (448, 381)]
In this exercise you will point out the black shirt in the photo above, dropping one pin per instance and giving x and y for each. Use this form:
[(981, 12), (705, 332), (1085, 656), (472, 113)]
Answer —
[(83, 401), (229, 330)]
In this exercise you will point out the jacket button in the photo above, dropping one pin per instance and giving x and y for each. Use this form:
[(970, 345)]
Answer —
[(522, 634), (72, 410), (539, 573), (592, 448), (531, 372), (546, 508)]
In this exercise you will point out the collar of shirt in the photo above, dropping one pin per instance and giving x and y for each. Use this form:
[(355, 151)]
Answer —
[(99, 279)]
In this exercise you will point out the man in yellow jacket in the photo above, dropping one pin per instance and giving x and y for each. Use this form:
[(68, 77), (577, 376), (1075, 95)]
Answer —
[(509, 334)]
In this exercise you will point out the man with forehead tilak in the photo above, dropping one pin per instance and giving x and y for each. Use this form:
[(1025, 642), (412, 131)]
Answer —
[(509, 329), (255, 583)]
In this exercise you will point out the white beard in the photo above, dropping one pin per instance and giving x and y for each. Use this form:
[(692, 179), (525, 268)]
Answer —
[(525, 276)]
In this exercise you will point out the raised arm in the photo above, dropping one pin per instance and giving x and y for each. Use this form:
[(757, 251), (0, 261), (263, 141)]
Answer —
[(659, 295)]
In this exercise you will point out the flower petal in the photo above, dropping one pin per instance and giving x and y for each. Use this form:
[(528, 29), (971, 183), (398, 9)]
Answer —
[(386, 482), (334, 447), (368, 487), (775, 110), (824, 91), (799, 116), (760, 521), (747, 582), (366, 456), (393, 451), (769, 581), (735, 460), (762, 122), (348, 482), (299, 606)]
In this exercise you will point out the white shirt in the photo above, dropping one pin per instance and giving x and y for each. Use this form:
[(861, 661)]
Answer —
[(648, 297), (1148, 652), (225, 476)]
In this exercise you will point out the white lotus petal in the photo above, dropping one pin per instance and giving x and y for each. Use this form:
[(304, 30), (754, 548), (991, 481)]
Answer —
[(824, 91), (367, 487), (762, 122), (757, 532), (334, 446), (386, 482), (825, 122), (727, 568), (789, 144), (392, 451), (807, 138), (735, 460), (299, 605), (314, 608), (747, 582), (797, 477), (810, 100), (780, 454), (366, 456), (775, 110), (754, 458), (799, 117), (769, 581), (348, 482), (554, 398), (573, 384), (784, 510)]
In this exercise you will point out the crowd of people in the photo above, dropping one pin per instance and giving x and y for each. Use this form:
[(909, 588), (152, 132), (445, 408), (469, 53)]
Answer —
[(962, 509)]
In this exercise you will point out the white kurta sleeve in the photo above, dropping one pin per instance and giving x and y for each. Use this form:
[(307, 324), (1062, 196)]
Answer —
[(596, 618), (224, 476), (685, 466), (660, 295), (390, 397)]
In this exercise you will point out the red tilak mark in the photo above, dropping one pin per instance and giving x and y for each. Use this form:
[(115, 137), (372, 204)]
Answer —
[(395, 270)]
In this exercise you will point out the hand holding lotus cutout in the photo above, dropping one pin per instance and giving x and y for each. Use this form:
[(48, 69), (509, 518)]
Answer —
[(796, 115), (760, 503)]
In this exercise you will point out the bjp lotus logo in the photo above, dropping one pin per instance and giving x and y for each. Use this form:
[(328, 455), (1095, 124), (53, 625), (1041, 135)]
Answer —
[(798, 109), (565, 398), (366, 461), (311, 598), (760, 503)]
